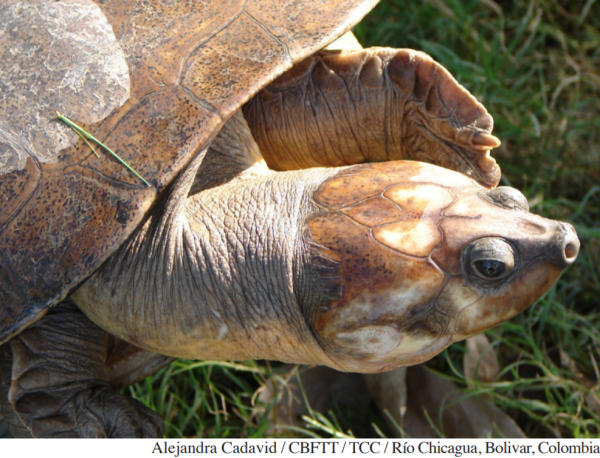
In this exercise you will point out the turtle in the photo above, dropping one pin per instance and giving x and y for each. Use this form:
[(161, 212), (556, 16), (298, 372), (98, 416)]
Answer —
[(301, 204)]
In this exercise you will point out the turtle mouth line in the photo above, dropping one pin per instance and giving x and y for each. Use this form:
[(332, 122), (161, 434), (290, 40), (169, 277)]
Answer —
[(420, 356)]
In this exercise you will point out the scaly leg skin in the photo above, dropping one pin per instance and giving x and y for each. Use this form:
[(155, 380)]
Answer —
[(8, 416), (380, 104), (60, 382), (377, 104), (357, 268)]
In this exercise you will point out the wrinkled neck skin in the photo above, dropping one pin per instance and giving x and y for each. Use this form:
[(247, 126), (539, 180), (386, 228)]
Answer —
[(363, 268), (212, 275)]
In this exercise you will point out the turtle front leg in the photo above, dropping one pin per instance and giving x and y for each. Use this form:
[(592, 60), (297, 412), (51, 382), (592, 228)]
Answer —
[(377, 104), (60, 382)]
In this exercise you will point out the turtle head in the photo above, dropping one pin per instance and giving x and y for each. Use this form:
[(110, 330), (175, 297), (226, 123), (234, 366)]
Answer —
[(424, 257), (499, 257)]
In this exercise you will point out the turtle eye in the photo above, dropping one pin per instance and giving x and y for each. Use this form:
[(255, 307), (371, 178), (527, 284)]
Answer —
[(490, 258), (489, 268), (507, 197)]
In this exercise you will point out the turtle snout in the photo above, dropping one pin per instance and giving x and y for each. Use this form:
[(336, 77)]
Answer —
[(567, 244)]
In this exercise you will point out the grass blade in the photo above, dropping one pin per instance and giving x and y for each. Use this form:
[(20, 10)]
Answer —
[(87, 136)]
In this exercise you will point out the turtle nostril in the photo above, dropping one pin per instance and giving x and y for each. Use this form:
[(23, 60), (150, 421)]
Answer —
[(570, 244), (570, 251)]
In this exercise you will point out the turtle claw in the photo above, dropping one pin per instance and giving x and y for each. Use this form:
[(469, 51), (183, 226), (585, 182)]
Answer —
[(372, 105), (485, 141), (97, 412), (442, 122), (101, 412), (60, 384)]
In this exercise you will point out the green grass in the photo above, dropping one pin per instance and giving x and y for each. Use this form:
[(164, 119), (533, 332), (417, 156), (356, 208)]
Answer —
[(536, 66)]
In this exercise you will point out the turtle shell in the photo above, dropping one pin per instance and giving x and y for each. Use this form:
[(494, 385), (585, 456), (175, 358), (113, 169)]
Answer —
[(154, 80)]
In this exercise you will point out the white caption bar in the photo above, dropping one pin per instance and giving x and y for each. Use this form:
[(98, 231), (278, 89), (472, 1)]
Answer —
[(175, 448)]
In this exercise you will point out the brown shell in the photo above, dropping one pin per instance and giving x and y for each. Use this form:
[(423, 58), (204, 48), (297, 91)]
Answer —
[(154, 80)]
